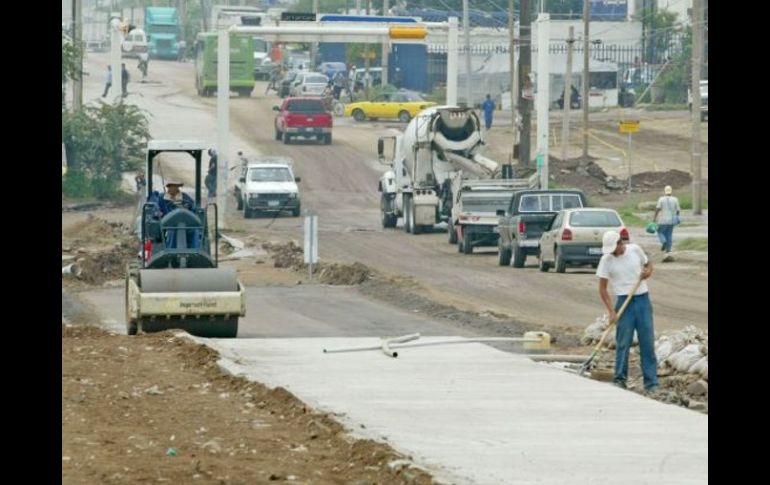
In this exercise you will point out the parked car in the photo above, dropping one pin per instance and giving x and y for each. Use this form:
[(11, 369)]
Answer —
[(267, 185), (575, 237), (309, 84), (402, 105), (305, 117)]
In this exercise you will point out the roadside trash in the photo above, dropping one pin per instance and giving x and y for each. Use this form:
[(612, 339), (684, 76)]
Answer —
[(171, 452)]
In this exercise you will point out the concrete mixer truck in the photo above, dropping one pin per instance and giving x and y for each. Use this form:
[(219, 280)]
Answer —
[(437, 145)]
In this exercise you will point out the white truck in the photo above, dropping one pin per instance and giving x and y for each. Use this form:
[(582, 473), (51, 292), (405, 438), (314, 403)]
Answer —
[(438, 143), (473, 220)]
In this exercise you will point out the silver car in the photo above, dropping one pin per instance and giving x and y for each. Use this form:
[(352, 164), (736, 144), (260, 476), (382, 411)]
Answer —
[(309, 84), (575, 237)]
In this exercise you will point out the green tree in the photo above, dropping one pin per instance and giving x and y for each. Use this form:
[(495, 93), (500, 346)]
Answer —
[(102, 141)]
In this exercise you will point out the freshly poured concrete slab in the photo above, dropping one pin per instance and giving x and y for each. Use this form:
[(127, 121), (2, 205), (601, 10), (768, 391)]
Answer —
[(473, 414)]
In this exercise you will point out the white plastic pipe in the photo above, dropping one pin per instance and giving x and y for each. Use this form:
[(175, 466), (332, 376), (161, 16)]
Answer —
[(397, 340), (73, 269), (439, 342)]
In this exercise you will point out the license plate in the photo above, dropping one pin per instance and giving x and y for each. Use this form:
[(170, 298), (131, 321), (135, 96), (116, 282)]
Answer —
[(594, 250), (273, 203)]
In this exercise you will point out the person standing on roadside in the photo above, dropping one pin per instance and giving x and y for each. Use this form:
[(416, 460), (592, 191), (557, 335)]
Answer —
[(668, 209)]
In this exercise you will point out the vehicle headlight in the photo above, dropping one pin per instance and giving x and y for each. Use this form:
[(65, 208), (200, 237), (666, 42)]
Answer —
[(292, 195)]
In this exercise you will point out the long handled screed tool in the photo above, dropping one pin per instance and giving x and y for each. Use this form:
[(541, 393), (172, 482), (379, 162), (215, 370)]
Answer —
[(587, 363)]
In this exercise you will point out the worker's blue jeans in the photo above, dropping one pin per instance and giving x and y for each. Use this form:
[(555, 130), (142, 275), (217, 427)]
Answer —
[(638, 316), (666, 236)]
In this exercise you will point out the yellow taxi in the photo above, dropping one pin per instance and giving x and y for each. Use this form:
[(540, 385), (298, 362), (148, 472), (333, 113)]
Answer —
[(401, 105)]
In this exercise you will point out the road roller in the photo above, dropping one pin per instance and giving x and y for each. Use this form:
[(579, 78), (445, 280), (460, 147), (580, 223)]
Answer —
[(177, 281)]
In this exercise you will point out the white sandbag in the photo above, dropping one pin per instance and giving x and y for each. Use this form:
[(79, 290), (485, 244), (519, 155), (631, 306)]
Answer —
[(698, 367), (668, 345), (593, 332), (685, 358)]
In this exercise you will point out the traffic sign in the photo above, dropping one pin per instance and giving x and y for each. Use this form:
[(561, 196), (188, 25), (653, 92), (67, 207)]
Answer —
[(629, 126)]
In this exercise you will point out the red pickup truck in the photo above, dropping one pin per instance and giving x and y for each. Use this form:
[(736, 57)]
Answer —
[(305, 117)]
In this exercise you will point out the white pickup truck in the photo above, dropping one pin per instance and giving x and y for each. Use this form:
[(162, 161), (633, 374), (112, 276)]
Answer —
[(267, 185), (473, 221)]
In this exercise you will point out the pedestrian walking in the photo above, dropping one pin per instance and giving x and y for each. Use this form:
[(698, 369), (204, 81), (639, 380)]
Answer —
[(668, 209), (489, 108)]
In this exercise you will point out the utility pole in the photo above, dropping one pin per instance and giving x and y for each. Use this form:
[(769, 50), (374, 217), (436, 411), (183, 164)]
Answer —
[(586, 76), (697, 64), (451, 63), (567, 95), (77, 41), (367, 79), (223, 122), (543, 95), (385, 48), (314, 45), (525, 83), (182, 7), (467, 27), (514, 80)]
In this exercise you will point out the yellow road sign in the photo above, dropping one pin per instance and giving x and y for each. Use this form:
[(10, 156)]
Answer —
[(629, 126)]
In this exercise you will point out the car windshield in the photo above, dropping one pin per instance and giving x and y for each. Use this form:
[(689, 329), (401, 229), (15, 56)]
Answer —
[(594, 219), (270, 174), (305, 106), (316, 80)]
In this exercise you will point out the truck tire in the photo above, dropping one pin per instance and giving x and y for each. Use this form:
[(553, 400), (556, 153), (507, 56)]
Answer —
[(503, 257), (404, 116), (358, 115), (467, 244), (328, 139), (246, 212), (519, 257), (388, 220), (286, 138), (407, 213), (239, 201), (561, 263), (541, 264), (452, 232), (295, 212)]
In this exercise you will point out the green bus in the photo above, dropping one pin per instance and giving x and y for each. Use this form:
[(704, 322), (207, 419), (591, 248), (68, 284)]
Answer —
[(241, 63)]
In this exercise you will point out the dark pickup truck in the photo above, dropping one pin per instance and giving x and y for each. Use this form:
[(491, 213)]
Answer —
[(306, 117), (528, 215)]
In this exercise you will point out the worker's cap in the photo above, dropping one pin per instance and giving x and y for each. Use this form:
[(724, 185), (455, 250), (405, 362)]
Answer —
[(178, 183), (667, 190), (610, 241)]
